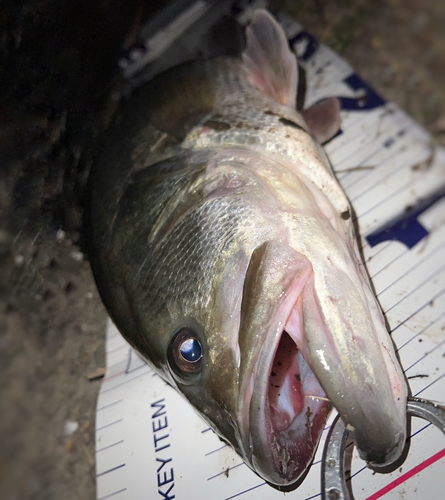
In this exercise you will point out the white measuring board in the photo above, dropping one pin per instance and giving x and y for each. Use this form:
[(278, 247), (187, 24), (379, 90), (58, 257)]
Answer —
[(150, 443)]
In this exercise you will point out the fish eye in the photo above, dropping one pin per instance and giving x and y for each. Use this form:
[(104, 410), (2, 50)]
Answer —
[(185, 352), (191, 350)]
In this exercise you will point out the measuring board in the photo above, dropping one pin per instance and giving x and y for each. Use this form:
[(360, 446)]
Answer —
[(150, 443)]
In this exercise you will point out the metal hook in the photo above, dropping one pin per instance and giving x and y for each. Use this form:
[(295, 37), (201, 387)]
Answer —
[(333, 479)]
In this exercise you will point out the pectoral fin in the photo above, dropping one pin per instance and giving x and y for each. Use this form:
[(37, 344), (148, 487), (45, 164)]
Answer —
[(323, 119)]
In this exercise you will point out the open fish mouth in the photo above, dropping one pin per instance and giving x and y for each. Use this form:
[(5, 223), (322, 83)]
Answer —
[(311, 355), (288, 410)]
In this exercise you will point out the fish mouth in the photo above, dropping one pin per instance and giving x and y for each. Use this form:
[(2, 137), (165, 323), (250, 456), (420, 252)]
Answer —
[(288, 410), (307, 350)]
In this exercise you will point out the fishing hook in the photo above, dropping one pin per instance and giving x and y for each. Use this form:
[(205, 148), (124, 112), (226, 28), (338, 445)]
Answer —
[(333, 478)]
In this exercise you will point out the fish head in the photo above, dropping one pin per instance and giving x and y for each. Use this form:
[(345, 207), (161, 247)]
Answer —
[(252, 302), (212, 280)]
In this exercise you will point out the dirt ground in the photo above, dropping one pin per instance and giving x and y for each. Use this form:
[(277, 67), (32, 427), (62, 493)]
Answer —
[(57, 72)]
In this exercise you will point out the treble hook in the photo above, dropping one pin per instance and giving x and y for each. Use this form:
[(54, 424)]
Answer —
[(333, 479)]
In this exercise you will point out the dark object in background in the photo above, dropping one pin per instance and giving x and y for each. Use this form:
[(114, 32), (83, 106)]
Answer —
[(57, 69)]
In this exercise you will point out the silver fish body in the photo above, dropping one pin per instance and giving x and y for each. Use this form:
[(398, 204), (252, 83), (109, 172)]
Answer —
[(218, 226)]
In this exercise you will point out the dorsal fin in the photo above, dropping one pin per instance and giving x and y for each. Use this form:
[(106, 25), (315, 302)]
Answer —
[(272, 66)]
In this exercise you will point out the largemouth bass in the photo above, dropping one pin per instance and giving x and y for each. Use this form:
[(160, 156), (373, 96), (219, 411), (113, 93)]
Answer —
[(223, 248)]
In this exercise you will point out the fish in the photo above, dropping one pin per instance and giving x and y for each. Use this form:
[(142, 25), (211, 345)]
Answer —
[(224, 250)]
